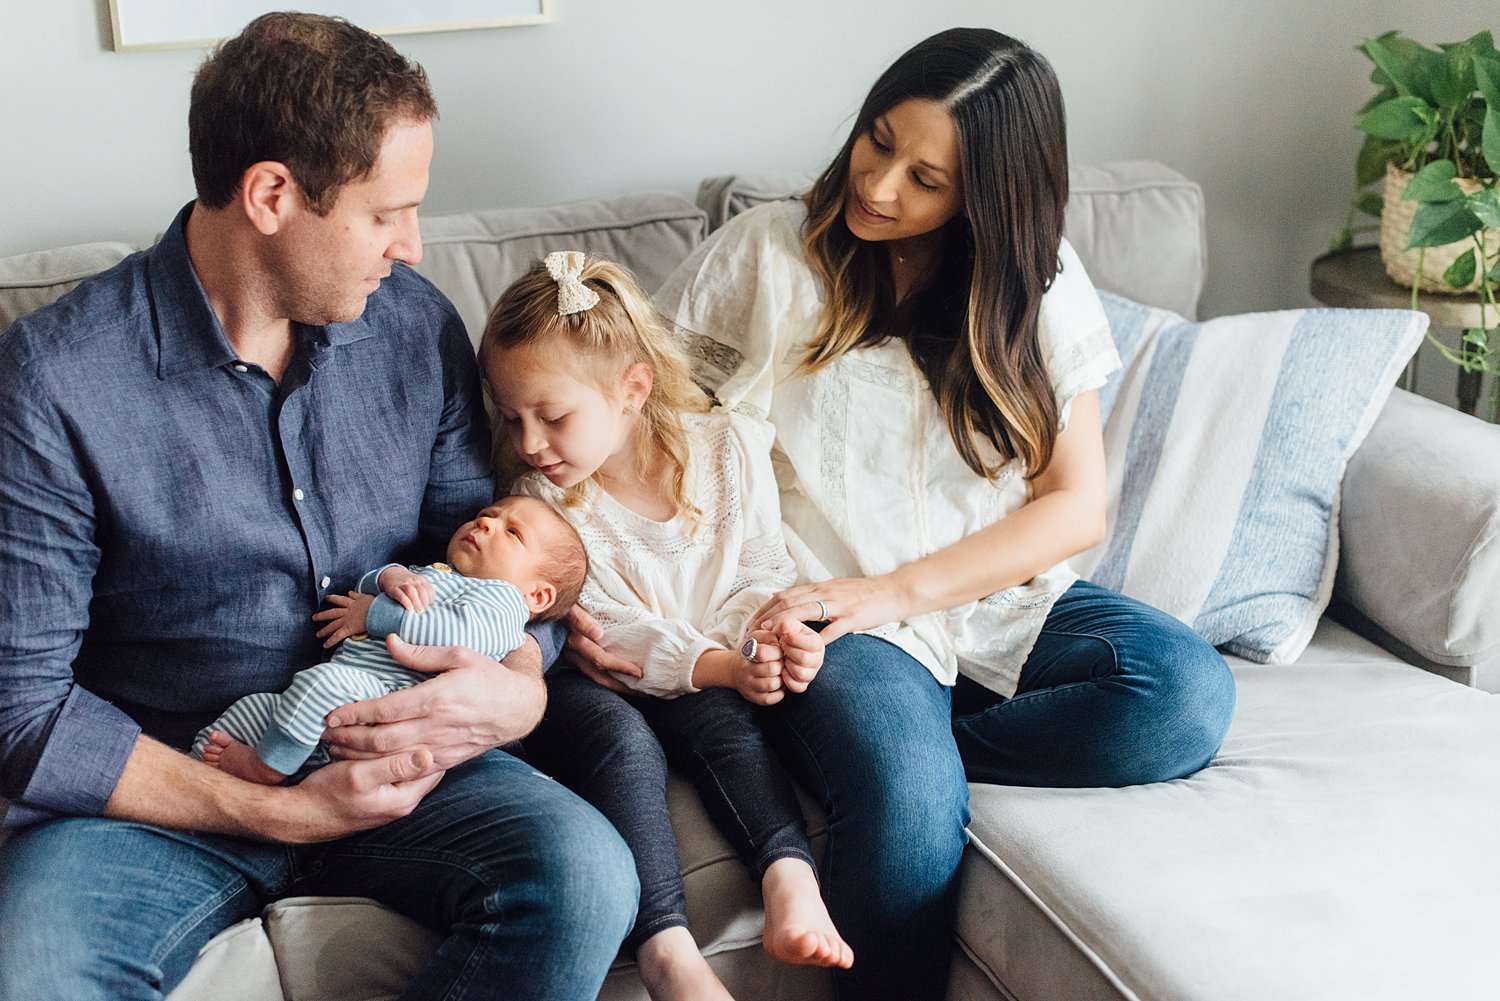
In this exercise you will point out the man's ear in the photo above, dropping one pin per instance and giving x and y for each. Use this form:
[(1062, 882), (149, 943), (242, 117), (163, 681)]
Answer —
[(268, 195), (540, 596), (636, 384)]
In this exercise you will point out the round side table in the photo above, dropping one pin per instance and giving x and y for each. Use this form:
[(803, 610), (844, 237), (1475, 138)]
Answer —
[(1357, 280)]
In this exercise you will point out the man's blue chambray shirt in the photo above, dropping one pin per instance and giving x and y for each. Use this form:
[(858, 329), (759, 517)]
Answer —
[(170, 518)]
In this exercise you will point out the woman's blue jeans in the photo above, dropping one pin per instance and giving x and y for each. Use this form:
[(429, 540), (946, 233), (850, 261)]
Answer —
[(532, 887), (1114, 693)]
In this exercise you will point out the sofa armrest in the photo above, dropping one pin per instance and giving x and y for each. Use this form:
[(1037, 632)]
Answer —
[(1419, 533)]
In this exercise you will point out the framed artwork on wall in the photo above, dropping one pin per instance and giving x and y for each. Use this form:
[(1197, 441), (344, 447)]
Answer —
[(170, 24)]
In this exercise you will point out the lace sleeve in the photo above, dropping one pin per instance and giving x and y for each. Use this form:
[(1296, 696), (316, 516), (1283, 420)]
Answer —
[(762, 566), (666, 650)]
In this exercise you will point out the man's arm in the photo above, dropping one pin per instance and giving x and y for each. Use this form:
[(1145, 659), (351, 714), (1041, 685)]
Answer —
[(164, 787)]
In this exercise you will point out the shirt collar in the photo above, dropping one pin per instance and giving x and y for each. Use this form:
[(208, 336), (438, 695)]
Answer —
[(189, 335)]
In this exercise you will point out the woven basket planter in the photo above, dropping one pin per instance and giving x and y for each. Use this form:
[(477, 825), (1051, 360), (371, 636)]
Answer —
[(1395, 229)]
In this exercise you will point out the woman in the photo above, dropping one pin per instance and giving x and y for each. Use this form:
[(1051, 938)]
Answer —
[(928, 349)]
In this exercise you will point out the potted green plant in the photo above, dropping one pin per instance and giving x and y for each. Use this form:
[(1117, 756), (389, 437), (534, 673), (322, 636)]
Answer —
[(1432, 139)]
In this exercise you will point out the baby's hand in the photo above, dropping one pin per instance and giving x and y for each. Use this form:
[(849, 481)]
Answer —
[(345, 619), (410, 590), (801, 653), (757, 677)]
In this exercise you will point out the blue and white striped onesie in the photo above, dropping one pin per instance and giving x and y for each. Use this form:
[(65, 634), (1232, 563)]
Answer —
[(487, 616)]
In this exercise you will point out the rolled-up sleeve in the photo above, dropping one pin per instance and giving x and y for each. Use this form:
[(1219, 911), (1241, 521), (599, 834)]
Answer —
[(62, 748)]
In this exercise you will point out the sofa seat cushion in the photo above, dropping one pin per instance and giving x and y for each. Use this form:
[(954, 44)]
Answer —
[(1334, 849), (348, 948)]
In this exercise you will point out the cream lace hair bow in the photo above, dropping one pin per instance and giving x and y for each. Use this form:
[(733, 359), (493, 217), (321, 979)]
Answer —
[(566, 268)]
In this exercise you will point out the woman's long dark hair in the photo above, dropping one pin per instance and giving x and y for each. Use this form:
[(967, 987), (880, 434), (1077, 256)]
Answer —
[(972, 329)]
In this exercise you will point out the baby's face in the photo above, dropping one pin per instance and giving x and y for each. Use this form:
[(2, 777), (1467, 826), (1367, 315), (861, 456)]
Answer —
[(506, 541)]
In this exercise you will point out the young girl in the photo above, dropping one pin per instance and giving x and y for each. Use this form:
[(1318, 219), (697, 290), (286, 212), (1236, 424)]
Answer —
[(678, 508)]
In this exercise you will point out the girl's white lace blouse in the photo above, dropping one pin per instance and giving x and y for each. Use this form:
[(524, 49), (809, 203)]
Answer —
[(665, 593)]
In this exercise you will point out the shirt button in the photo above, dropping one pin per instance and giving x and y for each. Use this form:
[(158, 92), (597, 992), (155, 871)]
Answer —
[(324, 582), (297, 494), (242, 368)]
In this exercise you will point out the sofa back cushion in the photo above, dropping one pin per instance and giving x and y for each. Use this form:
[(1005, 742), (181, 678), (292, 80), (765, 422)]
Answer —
[(473, 256), (30, 281), (1137, 225)]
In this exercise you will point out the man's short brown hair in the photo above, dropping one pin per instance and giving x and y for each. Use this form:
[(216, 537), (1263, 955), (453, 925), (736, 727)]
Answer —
[(314, 93)]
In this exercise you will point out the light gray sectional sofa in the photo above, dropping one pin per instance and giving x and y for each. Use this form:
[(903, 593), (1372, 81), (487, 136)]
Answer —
[(1340, 846)]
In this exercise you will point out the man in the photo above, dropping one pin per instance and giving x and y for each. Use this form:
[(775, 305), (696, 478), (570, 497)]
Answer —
[(199, 446)]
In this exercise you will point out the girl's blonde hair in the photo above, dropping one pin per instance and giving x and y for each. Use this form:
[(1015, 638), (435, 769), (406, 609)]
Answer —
[(603, 342)]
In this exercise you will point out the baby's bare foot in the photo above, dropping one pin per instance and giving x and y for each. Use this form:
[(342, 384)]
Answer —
[(673, 969), (239, 759), (798, 928)]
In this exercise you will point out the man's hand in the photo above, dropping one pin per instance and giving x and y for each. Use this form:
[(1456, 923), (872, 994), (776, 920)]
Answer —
[(166, 787), (585, 651), (407, 588), (345, 797), (470, 705), (345, 619)]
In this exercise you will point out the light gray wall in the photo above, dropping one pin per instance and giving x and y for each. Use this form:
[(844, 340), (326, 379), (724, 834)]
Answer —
[(1254, 99)]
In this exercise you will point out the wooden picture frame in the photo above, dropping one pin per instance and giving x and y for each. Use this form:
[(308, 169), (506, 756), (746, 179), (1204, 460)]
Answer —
[(138, 25)]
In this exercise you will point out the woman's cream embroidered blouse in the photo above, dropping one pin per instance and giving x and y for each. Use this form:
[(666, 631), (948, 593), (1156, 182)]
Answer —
[(869, 476)]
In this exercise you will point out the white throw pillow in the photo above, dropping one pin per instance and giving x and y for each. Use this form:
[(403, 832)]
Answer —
[(1226, 442)]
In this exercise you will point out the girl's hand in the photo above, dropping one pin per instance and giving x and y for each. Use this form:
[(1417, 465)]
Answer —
[(585, 651), (801, 654), (757, 678), (847, 604), (345, 619), (410, 590)]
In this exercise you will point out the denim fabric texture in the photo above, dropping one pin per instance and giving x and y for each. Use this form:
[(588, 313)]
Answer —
[(1114, 693), (613, 750), (531, 885)]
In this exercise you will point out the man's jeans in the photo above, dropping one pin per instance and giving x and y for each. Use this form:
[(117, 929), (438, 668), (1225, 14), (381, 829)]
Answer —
[(1114, 693), (531, 885)]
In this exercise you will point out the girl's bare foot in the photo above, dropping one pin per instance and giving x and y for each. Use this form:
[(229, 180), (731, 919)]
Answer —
[(798, 928), (239, 759), (673, 969)]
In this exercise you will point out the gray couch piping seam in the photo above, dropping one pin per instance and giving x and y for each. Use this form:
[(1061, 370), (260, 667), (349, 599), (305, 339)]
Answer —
[(1051, 915), (1461, 574), (557, 231), (984, 968)]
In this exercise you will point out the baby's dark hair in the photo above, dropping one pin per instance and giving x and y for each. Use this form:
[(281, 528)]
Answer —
[(566, 566)]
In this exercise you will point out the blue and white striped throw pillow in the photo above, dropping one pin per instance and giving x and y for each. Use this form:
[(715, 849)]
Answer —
[(1226, 443)]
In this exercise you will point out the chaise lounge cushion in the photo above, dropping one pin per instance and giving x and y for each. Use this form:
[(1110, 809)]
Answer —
[(1326, 853)]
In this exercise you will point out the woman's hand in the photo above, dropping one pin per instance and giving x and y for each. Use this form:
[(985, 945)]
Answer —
[(585, 651), (847, 604)]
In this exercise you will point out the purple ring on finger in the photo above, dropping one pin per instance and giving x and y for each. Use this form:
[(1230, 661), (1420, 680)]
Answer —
[(748, 648)]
